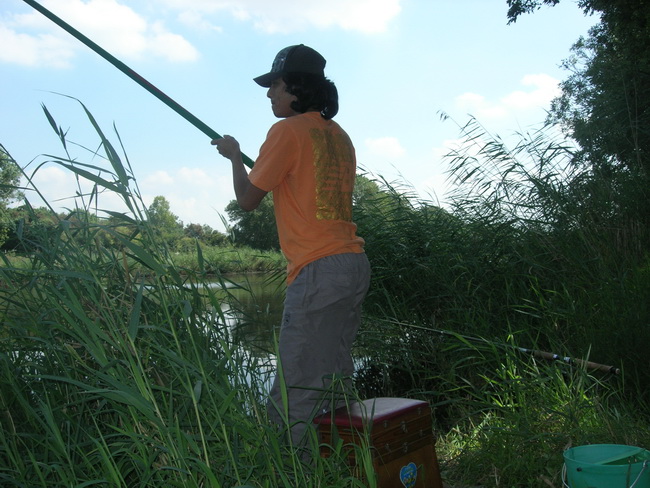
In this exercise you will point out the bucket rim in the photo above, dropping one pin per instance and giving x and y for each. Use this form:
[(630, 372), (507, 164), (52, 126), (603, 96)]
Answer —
[(631, 451)]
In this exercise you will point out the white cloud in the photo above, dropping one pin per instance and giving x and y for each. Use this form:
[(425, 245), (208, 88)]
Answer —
[(183, 177), (197, 21), (283, 16), (194, 196), (41, 50), (447, 147), (31, 39), (194, 177), (167, 45), (542, 89), (480, 107), (385, 147), (60, 188), (195, 209), (368, 16), (53, 175), (158, 178)]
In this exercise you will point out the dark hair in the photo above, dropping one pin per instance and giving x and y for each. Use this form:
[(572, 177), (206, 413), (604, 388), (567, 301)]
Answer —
[(314, 92)]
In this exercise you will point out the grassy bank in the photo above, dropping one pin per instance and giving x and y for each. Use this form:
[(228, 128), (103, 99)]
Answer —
[(118, 366), (535, 253), (109, 382), (230, 260), (108, 379)]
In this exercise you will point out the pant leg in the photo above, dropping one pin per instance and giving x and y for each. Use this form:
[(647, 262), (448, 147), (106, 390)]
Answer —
[(321, 318)]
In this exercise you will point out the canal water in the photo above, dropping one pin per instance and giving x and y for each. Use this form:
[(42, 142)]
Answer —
[(252, 313), (256, 315), (254, 319)]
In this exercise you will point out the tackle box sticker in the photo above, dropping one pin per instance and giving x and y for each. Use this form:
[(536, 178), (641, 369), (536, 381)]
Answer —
[(408, 475)]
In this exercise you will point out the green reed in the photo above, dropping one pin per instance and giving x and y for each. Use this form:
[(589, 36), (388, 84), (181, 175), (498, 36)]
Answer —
[(117, 366), (533, 252)]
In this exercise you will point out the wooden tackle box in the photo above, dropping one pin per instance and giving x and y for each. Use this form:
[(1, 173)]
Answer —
[(399, 434)]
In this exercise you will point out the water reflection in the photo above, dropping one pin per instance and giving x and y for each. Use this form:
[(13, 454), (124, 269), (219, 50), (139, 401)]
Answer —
[(254, 321), (254, 317), (252, 313)]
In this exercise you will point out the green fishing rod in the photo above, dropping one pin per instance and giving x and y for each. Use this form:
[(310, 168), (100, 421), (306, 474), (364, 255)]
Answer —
[(176, 107), (533, 352)]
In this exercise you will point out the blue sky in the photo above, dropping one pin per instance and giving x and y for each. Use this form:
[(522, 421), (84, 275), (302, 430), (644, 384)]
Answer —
[(397, 65)]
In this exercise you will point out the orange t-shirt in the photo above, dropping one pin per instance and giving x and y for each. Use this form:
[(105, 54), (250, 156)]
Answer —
[(309, 164)]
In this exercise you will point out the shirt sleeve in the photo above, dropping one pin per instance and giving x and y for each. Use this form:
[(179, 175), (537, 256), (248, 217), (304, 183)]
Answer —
[(276, 159)]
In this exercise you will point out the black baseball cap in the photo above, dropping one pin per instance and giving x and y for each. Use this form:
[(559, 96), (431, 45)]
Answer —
[(293, 59)]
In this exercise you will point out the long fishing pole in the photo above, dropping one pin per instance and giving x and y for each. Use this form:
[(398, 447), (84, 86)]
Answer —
[(176, 107), (533, 352), (581, 362)]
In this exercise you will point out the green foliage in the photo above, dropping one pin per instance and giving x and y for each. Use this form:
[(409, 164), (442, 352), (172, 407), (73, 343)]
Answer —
[(164, 221), (122, 378), (9, 191), (106, 376), (205, 234), (520, 415), (529, 244), (228, 259), (28, 227), (535, 252), (519, 7), (9, 179), (255, 229), (605, 101), (407, 243)]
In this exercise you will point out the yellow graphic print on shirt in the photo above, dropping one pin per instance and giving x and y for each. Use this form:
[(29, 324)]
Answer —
[(333, 163)]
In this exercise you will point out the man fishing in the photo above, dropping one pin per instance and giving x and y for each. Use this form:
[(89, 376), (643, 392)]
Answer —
[(308, 162)]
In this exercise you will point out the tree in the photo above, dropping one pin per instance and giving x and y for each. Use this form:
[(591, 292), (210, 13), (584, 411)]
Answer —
[(205, 234), (364, 190), (29, 228), (256, 229), (9, 191), (195, 231), (605, 102), (518, 7), (605, 107), (9, 178), (165, 222)]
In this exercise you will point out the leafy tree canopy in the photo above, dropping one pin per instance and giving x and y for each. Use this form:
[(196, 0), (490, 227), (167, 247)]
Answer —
[(9, 179), (256, 229), (519, 7), (9, 192), (205, 233), (605, 102), (165, 222)]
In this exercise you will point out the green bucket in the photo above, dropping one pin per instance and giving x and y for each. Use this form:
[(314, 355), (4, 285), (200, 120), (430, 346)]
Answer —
[(607, 466)]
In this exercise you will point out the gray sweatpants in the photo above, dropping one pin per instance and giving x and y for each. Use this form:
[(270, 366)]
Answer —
[(322, 314)]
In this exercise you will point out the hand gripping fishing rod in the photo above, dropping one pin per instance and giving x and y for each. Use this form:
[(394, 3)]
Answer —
[(192, 119)]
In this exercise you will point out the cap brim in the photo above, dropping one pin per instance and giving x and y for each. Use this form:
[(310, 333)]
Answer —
[(267, 79)]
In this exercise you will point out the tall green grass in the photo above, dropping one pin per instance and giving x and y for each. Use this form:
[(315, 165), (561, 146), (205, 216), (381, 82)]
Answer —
[(534, 252), (231, 260), (115, 377), (118, 367), (531, 244)]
